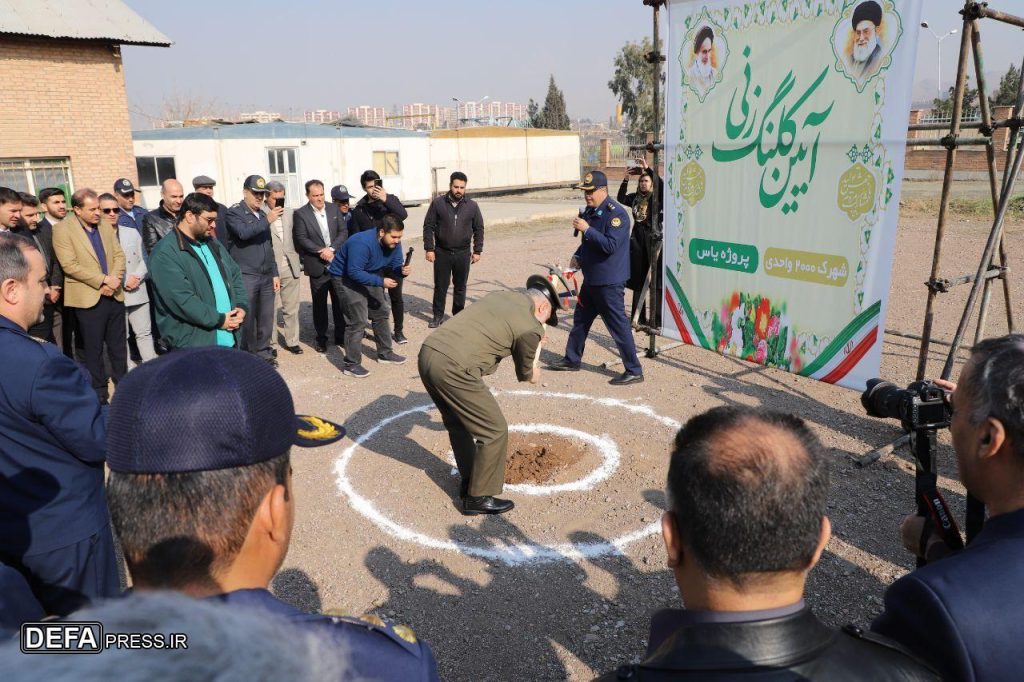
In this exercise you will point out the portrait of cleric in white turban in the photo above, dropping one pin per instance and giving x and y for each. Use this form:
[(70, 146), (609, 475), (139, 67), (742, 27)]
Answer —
[(703, 59), (863, 41)]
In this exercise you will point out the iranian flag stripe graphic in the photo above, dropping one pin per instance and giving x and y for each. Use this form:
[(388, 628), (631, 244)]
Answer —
[(847, 349), (687, 323)]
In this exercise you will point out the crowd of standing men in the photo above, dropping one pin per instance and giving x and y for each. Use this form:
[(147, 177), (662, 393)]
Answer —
[(118, 298)]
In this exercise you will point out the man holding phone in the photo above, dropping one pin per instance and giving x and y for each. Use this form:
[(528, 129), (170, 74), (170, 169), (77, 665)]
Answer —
[(288, 267), (200, 298), (369, 214)]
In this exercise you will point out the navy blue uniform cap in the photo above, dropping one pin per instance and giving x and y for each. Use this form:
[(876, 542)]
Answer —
[(203, 409), (593, 180), (340, 193)]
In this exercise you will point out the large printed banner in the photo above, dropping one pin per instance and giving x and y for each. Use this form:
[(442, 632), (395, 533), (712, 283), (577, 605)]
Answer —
[(786, 127)]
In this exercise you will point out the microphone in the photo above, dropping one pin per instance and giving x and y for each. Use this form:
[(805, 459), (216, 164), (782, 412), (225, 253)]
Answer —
[(408, 256), (575, 232)]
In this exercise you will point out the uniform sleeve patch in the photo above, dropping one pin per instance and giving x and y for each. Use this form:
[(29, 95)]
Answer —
[(616, 222)]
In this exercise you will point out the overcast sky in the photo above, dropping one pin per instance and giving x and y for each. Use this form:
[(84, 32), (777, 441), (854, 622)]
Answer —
[(294, 55)]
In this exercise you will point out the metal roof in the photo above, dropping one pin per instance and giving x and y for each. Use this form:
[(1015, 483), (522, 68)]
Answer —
[(110, 20), (277, 130)]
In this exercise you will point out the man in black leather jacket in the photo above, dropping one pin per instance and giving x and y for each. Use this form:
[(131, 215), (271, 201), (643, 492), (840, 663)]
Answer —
[(746, 523), (164, 217)]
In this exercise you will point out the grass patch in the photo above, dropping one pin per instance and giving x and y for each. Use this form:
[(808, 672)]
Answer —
[(965, 207)]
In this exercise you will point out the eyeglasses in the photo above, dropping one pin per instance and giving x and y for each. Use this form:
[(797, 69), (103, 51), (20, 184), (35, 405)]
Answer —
[(110, 210)]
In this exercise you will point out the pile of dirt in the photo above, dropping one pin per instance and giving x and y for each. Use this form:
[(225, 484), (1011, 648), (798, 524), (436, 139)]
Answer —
[(537, 458)]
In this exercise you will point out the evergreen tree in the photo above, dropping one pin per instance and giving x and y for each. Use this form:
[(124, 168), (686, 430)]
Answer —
[(553, 115), (533, 114), (1006, 94)]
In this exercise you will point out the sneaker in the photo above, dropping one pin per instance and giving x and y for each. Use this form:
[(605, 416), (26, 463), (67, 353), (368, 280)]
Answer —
[(357, 371), (391, 358), (399, 337)]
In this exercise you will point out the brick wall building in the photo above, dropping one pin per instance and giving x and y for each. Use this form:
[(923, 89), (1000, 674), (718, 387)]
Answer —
[(74, 129)]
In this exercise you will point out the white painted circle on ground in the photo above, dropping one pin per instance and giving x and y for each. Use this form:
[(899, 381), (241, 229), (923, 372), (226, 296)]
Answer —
[(510, 553), (609, 452)]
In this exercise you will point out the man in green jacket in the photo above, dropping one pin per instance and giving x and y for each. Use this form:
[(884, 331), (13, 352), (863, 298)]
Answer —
[(200, 299)]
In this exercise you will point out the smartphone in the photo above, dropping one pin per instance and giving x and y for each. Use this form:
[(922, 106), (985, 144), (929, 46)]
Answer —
[(378, 183), (632, 163)]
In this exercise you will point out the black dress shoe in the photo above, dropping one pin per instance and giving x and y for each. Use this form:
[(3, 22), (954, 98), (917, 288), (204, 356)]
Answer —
[(434, 323), (485, 505), (320, 346), (626, 378), (563, 365), (295, 350)]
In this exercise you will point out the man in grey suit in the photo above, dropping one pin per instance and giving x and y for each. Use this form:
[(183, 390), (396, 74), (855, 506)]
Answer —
[(288, 267), (319, 230), (136, 297)]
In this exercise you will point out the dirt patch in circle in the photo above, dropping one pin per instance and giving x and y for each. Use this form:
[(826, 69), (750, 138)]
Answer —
[(539, 457)]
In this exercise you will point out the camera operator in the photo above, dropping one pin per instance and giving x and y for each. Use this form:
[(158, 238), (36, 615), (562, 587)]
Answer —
[(369, 214), (965, 613), (647, 231)]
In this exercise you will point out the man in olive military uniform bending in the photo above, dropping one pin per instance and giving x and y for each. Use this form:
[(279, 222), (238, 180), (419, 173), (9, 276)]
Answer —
[(452, 362), (209, 511)]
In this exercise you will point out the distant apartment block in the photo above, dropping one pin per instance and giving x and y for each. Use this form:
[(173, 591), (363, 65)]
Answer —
[(419, 116), (260, 116), (370, 116), (320, 116), (490, 111)]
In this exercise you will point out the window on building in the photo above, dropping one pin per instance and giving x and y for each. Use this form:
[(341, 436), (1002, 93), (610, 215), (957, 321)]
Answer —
[(34, 175), (282, 166), (153, 170), (385, 163)]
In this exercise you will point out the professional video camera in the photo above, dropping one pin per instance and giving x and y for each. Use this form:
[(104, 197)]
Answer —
[(922, 408)]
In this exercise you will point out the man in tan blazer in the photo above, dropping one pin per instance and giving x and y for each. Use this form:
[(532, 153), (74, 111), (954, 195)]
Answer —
[(288, 266), (88, 250)]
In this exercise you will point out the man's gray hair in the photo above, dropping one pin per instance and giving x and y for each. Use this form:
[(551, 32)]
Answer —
[(275, 186), (224, 643), (13, 263), (538, 297), (996, 386)]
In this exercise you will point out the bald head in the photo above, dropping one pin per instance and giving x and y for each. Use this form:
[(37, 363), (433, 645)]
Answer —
[(748, 489), (172, 194)]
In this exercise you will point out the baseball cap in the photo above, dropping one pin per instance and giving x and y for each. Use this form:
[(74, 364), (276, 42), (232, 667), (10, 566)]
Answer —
[(593, 180), (203, 409), (340, 193), (203, 181), (124, 186), (255, 183)]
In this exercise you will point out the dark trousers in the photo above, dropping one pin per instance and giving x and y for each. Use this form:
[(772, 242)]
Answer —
[(362, 304), (397, 305), (450, 266), (57, 324), (99, 326), (258, 326), (606, 301), (321, 289), (477, 429), (66, 579)]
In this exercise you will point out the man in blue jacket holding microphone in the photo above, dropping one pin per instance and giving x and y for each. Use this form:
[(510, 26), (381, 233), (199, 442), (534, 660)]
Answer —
[(358, 281)]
